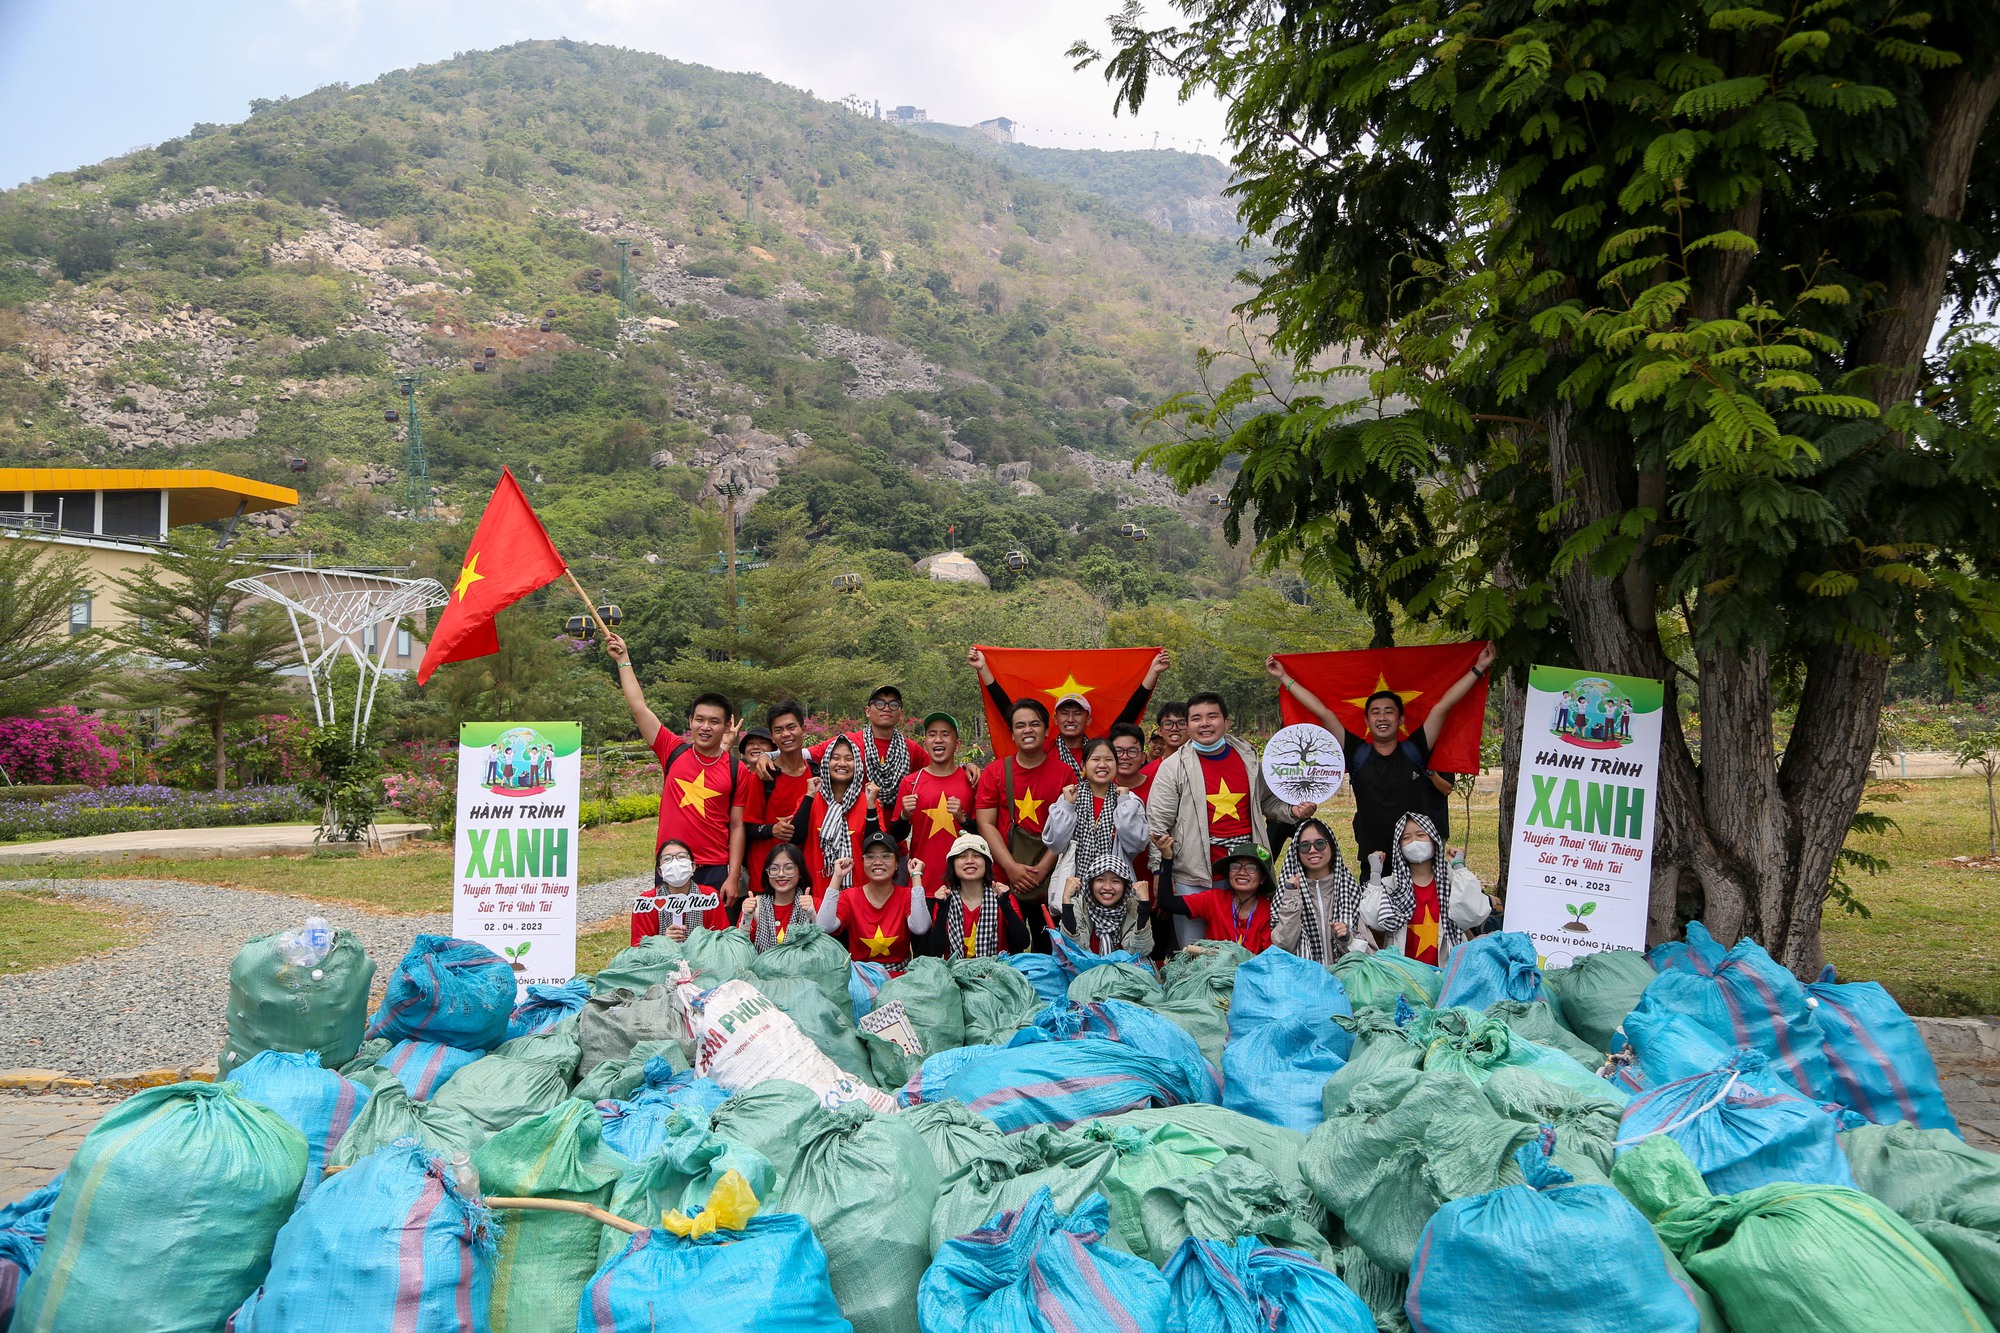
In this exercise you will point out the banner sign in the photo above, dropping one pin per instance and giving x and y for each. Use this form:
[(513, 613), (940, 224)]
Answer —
[(520, 789), (1580, 872), (1304, 762)]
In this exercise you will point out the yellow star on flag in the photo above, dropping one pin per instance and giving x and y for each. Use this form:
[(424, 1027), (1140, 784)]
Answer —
[(942, 819), (467, 576), (1069, 686), (696, 793), (1382, 684), (879, 944), (1424, 934), (1224, 803), (1028, 807)]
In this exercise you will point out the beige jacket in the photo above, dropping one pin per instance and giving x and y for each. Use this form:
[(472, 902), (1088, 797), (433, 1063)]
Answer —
[(1178, 805)]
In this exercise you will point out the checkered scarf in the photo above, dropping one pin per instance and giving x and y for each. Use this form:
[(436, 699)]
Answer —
[(1346, 898), (886, 773), (1096, 837), (986, 935), (1106, 923), (764, 927), (1403, 889), (836, 842), (1069, 757)]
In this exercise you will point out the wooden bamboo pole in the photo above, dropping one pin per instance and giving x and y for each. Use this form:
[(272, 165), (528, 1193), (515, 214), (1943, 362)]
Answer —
[(589, 1210)]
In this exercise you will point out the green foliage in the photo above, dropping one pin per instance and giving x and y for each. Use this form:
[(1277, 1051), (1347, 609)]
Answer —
[(344, 782), (41, 663)]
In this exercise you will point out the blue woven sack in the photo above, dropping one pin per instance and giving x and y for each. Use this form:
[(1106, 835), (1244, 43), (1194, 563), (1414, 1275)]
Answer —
[(1276, 984), (1698, 953), (547, 1006), (1881, 1066), (1075, 960), (1037, 1271), (769, 1276), (1751, 1001), (24, 1225), (1044, 1082), (1662, 1045), (1134, 1026), (637, 1126), (425, 1066), (1250, 1287), (863, 980), (455, 991), (1278, 1070), (1044, 973), (318, 1103), (1546, 1254), (1737, 1137), (1501, 966), (389, 1243)]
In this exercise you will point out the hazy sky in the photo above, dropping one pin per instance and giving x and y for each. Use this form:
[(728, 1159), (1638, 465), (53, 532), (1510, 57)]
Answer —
[(81, 80)]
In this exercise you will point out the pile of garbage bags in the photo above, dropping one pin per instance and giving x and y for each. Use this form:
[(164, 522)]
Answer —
[(702, 1137)]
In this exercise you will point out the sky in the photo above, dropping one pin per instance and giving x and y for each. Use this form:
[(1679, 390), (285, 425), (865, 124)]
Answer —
[(83, 80)]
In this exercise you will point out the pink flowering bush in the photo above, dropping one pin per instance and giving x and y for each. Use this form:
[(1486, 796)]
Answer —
[(60, 745)]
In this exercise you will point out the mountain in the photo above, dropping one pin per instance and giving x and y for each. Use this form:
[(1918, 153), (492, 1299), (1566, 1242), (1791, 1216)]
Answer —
[(883, 342)]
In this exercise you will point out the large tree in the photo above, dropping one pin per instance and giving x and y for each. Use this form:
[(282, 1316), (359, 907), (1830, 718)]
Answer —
[(205, 650), (41, 662), (1639, 292)]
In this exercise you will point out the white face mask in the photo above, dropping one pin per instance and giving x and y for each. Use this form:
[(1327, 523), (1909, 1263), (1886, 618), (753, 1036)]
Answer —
[(676, 871), (1419, 851)]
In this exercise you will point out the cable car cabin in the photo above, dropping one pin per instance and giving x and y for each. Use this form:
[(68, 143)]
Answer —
[(547, 327), (1125, 530), (492, 352), (295, 464), (847, 582), (1138, 534), (550, 313), (636, 252), (1017, 560), (479, 365), (597, 273), (597, 289), (1215, 498), (391, 416), (580, 627)]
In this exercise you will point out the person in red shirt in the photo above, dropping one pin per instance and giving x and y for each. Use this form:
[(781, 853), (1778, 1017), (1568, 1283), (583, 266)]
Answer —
[(1128, 747), (783, 782), (703, 789), (1239, 911), (1073, 713), (887, 755), (878, 918), (935, 803), (841, 808), (673, 873), (971, 916), (1012, 804), (782, 894)]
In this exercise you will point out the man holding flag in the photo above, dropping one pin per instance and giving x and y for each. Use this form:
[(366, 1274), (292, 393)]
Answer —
[(1050, 676), (1389, 771)]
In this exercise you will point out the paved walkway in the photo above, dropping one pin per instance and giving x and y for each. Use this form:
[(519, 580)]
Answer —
[(38, 1137), (188, 844)]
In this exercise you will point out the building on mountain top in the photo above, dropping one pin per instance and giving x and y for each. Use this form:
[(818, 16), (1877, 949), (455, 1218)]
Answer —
[(953, 567), (908, 115), (999, 129)]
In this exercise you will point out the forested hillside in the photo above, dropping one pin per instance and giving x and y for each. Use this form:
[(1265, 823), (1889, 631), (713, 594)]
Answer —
[(884, 341)]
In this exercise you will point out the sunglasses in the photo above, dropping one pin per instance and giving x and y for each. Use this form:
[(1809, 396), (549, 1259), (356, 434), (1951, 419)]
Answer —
[(1315, 845)]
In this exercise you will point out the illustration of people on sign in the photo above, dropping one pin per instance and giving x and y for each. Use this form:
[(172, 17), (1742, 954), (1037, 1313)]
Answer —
[(520, 763), (1592, 716)]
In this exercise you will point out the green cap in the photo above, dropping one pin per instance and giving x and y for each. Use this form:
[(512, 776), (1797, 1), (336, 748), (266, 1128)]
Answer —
[(942, 717)]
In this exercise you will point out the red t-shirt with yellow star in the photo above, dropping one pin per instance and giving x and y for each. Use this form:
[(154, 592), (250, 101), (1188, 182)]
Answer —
[(1227, 782), (1422, 939), (1035, 790), (695, 800), (932, 825), (876, 934)]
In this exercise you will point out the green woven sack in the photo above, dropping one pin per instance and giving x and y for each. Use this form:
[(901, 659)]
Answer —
[(612, 1022), (1381, 1290), (1943, 1187), (1070, 1166), (807, 953), (868, 1186), (167, 1215), (1199, 1014), (1467, 1042), (617, 1080), (827, 1025), (930, 999), (1234, 1199), (1797, 1258), (391, 1114), (1273, 1147), (557, 1047), (1207, 968), (366, 1067), (274, 1006), (772, 1118), (953, 1134), (1380, 1045), (545, 1259), (679, 1175), (998, 999), (1146, 1158), (1117, 981), (715, 956), (1375, 980), (494, 1093), (1597, 992), (1536, 1021)]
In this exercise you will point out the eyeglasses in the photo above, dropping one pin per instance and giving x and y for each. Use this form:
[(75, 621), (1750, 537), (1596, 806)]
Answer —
[(1315, 845), (1127, 751), (886, 703)]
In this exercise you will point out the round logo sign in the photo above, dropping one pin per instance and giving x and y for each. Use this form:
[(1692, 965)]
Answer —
[(520, 763), (1304, 762)]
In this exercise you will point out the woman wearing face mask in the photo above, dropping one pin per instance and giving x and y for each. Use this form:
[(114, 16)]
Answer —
[(839, 808), (782, 894), (673, 872), (1440, 908), (878, 918), (1317, 908), (1095, 818), (971, 916), (1109, 913), (1241, 909)]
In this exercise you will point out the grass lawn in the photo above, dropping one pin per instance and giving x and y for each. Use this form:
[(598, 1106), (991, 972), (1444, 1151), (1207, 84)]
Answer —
[(39, 928), (413, 878)]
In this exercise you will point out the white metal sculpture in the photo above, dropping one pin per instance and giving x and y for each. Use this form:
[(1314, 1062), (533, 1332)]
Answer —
[(341, 605)]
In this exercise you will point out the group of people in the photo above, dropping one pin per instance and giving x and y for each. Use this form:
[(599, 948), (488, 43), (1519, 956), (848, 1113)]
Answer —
[(1104, 835)]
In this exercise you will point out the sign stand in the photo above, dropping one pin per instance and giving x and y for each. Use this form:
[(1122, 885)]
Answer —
[(520, 792)]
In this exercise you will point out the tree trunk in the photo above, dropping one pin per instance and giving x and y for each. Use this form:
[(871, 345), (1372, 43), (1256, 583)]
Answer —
[(1513, 726), (221, 755)]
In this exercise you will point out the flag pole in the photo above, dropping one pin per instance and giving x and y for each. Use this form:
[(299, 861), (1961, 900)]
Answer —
[(589, 605)]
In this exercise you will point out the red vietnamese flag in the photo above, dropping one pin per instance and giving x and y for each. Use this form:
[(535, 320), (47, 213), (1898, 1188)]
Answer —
[(1343, 682), (509, 557), (1107, 677)]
